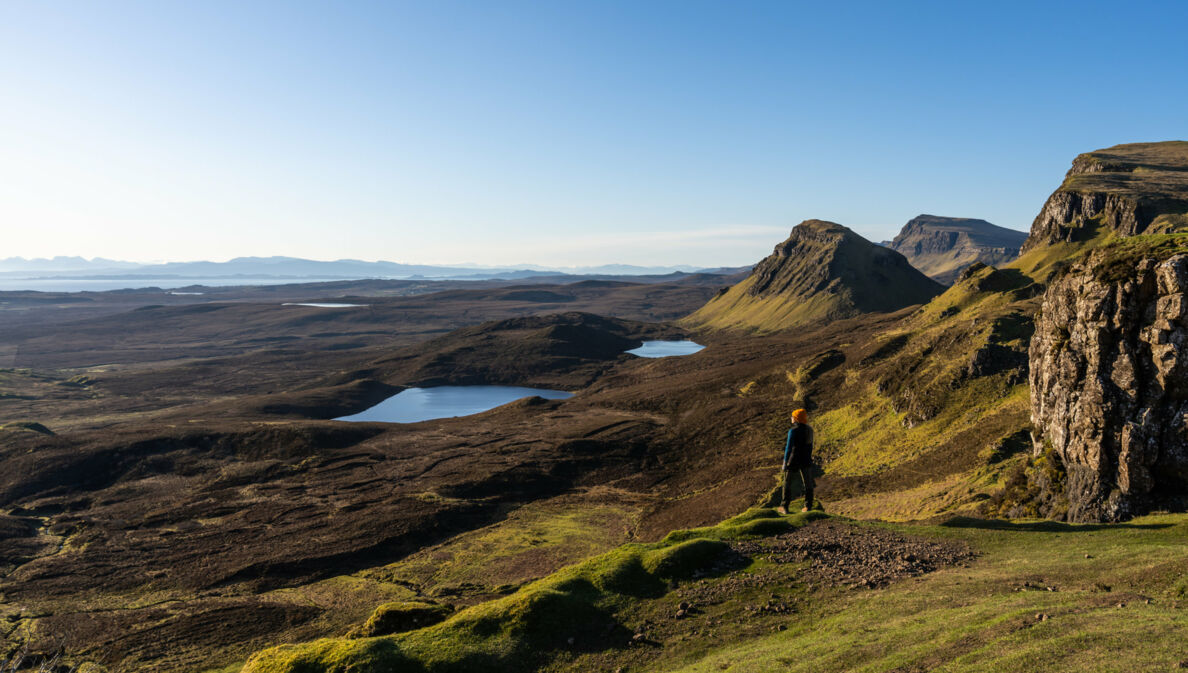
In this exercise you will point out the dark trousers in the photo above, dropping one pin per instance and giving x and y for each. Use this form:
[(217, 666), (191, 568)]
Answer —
[(806, 478)]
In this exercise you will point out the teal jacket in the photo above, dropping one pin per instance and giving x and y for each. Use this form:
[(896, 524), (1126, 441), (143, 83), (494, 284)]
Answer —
[(798, 447)]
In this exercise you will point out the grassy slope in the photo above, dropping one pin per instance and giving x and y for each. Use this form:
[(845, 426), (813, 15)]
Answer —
[(738, 309), (1114, 586), (945, 264), (916, 408), (975, 619)]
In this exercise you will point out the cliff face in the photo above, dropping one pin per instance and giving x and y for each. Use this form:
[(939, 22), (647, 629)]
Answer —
[(1109, 393), (1109, 384), (943, 247), (822, 272), (1141, 188)]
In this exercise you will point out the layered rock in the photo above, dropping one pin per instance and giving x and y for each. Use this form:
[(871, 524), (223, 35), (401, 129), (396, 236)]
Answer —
[(943, 247), (1140, 188), (822, 272), (1109, 384)]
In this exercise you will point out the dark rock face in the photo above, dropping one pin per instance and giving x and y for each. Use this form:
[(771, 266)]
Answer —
[(1067, 217), (1109, 387), (1132, 189), (943, 247)]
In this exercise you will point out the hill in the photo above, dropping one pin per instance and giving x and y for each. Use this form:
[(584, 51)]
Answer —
[(823, 272), (943, 247)]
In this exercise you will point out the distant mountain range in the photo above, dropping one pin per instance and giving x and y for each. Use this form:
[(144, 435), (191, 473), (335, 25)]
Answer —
[(297, 268)]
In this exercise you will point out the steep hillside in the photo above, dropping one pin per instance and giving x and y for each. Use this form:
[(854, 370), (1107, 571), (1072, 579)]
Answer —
[(943, 247), (823, 272)]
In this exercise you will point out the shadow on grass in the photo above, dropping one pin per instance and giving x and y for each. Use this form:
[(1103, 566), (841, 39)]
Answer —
[(1046, 526)]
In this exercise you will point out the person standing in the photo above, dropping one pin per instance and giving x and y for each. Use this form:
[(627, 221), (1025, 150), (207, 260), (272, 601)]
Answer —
[(798, 458)]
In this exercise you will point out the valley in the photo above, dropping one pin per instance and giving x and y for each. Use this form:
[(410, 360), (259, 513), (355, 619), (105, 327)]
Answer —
[(177, 496)]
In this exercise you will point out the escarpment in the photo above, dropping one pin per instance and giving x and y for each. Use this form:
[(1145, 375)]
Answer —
[(1109, 383), (1140, 188), (822, 272), (1107, 376)]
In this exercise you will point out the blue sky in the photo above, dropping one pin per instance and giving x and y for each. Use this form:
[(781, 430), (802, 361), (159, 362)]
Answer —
[(556, 133)]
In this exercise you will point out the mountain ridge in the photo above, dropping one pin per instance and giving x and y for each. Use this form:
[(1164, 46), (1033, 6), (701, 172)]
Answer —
[(943, 247)]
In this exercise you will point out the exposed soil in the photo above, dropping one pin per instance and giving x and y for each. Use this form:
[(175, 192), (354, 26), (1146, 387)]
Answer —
[(854, 556)]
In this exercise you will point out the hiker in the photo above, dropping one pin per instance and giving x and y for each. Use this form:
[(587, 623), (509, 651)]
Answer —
[(798, 457)]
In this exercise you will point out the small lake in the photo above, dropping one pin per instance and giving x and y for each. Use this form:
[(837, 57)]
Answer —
[(666, 349), (321, 305), (424, 404)]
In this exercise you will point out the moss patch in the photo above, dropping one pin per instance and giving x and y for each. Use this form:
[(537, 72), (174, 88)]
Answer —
[(401, 616)]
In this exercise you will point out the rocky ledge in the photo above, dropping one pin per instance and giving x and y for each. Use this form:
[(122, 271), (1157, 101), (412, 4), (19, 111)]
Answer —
[(1139, 188)]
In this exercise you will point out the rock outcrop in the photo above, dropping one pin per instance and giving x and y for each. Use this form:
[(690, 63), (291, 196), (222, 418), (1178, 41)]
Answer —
[(1109, 383), (822, 272), (1140, 188), (943, 247)]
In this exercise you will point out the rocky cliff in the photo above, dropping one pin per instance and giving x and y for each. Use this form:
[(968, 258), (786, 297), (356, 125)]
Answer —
[(1140, 188), (822, 272), (1109, 383), (1109, 395), (943, 247)]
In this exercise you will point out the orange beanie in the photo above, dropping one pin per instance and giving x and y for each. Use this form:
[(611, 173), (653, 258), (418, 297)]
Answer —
[(800, 416)]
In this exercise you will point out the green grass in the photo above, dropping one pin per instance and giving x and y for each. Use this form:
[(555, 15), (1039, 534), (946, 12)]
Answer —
[(401, 616), (868, 437), (974, 619), (546, 535), (1116, 260), (738, 309)]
